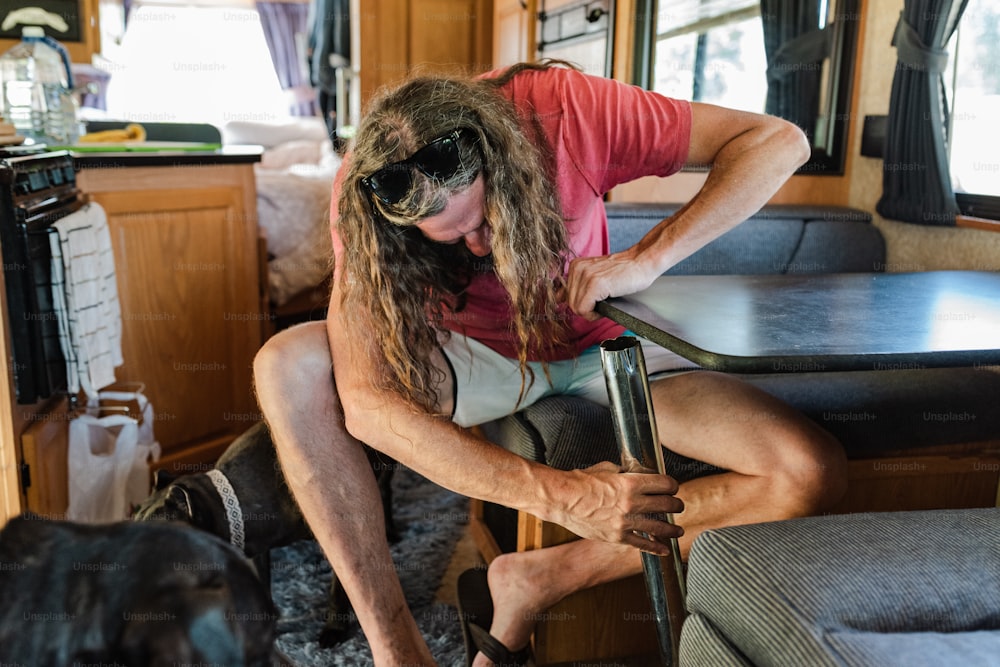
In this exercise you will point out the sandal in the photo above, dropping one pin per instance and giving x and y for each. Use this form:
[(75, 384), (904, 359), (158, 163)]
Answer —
[(475, 611)]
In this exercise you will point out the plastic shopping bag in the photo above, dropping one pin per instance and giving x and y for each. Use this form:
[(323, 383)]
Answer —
[(101, 458), (138, 485), (109, 457)]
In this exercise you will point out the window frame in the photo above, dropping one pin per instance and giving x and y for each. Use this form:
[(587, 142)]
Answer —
[(826, 160), (970, 204)]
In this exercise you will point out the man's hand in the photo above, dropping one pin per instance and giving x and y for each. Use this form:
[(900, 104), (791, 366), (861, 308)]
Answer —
[(622, 508), (751, 155), (593, 279)]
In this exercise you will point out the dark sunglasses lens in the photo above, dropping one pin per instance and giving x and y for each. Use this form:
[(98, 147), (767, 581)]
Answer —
[(440, 159), (391, 184)]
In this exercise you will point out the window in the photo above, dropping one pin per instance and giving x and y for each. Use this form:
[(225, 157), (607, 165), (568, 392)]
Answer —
[(790, 58), (975, 82), (577, 32), (193, 64), (711, 51)]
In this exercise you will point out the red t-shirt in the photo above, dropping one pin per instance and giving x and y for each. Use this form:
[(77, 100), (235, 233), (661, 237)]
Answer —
[(602, 133)]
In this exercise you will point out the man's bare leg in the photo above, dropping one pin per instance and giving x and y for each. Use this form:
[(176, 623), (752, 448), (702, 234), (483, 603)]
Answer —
[(782, 466), (332, 481)]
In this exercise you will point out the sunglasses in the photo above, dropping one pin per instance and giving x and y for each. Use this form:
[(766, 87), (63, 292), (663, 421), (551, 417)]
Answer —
[(440, 159)]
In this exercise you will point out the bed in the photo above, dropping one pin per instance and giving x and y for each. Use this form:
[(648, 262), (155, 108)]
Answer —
[(294, 179)]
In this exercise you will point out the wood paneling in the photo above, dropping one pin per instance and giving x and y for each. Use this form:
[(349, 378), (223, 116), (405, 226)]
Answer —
[(513, 32), (10, 485), (400, 37), (45, 446), (920, 481)]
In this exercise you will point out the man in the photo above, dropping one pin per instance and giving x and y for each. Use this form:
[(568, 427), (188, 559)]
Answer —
[(471, 248)]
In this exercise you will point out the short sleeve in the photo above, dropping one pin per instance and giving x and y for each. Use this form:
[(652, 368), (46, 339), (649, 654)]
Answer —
[(616, 132)]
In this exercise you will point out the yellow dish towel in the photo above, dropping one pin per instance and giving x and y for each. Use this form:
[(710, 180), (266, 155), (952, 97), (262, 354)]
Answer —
[(132, 132)]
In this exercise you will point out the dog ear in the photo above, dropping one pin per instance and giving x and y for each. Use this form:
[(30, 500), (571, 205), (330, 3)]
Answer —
[(178, 495), (162, 479)]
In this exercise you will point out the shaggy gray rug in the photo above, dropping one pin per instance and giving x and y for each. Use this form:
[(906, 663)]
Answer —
[(430, 521)]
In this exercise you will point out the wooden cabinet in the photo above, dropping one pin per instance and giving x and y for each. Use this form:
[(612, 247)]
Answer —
[(186, 245), (185, 240), (514, 29), (398, 36)]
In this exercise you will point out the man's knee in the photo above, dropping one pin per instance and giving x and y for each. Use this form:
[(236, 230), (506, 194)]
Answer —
[(294, 353), (813, 471)]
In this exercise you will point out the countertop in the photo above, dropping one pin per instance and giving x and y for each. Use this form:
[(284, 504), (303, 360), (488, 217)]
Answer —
[(165, 157)]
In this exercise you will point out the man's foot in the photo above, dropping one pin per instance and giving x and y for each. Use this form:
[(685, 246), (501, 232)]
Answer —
[(475, 606), (524, 585)]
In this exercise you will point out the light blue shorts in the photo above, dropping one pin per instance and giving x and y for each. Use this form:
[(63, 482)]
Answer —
[(487, 384)]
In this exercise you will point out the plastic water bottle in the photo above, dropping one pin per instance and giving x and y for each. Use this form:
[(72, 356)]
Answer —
[(36, 82)]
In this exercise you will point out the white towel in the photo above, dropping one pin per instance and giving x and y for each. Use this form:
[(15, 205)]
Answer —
[(85, 294)]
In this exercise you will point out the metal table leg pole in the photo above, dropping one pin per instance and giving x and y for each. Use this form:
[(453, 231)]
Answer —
[(635, 426)]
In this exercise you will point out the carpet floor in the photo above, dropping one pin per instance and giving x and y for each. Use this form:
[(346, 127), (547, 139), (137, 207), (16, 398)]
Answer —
[(432, 523)]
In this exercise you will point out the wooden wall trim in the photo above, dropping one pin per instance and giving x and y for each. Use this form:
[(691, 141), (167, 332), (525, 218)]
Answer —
[(970, 222)]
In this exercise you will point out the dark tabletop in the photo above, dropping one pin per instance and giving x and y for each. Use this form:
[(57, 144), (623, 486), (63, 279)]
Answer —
[(820, 322)]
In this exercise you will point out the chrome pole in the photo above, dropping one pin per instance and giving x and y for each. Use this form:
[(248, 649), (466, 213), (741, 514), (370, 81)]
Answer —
[(635, 427)]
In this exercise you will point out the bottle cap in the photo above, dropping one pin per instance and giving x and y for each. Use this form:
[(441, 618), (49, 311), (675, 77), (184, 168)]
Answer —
[(33, 31)]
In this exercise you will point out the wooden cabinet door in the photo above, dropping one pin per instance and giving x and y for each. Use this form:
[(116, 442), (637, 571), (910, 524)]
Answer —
[(397, 36), (513, 31), (44, 450), (185, 245), (450, 34)]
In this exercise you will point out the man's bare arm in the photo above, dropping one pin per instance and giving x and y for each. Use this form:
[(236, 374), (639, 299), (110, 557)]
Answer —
[(599, 503), (750, 155)]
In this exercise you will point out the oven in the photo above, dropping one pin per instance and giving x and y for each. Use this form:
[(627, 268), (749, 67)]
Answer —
[(36, 190)]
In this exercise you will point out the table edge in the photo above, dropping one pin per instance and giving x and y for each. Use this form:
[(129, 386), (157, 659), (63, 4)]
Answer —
[(798, 364)]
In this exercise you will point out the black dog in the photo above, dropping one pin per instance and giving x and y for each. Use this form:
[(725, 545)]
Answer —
[(246, 500), (128, 594)]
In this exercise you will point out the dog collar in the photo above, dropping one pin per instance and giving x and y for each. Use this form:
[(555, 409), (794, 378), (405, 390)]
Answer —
[(234, 514)]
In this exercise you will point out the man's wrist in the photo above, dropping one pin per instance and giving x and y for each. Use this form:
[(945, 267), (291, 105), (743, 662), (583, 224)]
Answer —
[(554, 495)]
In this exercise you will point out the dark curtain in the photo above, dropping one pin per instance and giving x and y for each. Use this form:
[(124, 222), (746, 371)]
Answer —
[(282, 21), (916, 179), (329, 50), (795, 47)]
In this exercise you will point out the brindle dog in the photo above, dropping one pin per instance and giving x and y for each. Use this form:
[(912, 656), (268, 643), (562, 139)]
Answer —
[(267, 514)]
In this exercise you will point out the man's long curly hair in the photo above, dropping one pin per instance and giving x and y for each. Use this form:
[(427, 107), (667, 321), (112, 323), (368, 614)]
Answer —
[(403, 286)]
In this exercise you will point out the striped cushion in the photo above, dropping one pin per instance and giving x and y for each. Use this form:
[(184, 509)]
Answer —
[(923, 649), (705, 646), (821, 590)]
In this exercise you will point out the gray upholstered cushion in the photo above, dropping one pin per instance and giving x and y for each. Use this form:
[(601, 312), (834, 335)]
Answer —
[(838, 590), (918, 649), (568, 433), (705, 646), (778, 239)]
